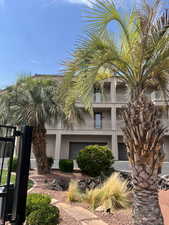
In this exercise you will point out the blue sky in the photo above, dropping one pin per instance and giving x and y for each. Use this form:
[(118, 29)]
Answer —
[(36, 36)]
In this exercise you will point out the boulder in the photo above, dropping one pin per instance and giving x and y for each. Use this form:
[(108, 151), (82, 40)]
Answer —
[(59, 184)]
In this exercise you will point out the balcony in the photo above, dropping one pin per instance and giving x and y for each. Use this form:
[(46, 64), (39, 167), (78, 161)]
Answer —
[(89, 125)]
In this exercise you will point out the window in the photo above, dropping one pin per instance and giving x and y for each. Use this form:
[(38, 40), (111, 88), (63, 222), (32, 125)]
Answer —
[(97, 95), (122, 152), (98, 120)]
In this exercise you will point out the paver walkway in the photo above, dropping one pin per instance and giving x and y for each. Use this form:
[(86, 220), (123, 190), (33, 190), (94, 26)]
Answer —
[(83, 216), (164, 203)]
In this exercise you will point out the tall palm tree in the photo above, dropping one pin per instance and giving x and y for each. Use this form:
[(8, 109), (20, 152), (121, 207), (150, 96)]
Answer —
[(139, 57)]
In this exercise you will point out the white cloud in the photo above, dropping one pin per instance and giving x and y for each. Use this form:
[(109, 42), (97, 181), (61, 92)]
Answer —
[(86, 2), (34, 61), (118, 3)]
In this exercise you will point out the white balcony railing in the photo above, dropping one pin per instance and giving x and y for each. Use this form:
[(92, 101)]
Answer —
[(90, 125)]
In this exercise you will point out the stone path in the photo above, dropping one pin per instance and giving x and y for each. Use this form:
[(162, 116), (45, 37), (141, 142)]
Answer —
[(164, 204), (81, 215)]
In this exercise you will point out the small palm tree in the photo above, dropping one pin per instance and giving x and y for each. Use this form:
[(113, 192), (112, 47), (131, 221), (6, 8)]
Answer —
[(30, 102), (36, 102), (139, 57)]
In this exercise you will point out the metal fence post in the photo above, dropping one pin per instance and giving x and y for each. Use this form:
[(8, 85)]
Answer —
[(22, 175)]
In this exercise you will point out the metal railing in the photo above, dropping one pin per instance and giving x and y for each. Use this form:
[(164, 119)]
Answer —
[(12, 205)]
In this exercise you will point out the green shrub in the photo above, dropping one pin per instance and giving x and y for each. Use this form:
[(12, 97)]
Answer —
[(48, 215), (112, 195), (36, 201), (66, 165), (94, 159), (14, 164), (30, 184), (50, 162)]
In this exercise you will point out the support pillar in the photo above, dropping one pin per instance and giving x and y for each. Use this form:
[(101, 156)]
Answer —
[(113, 118), (114, 145), (57, 150), (113, 90)]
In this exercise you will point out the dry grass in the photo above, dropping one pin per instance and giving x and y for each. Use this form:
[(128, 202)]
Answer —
[(73, 193), (111, 196)]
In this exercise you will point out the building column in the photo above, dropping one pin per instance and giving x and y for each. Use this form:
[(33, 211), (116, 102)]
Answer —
[(57, 150), (113, 90), (113, 118), (114, 146)]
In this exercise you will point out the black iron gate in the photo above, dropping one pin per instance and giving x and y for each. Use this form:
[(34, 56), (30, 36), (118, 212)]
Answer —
[(13, 195)]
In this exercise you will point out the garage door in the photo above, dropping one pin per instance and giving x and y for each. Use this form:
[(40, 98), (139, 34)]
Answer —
[(75, 147)]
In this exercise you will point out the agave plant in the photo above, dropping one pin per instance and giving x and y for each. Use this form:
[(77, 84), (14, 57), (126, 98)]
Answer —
[(139, 57)]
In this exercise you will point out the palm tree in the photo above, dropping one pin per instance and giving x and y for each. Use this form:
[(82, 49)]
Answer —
[(139, 57), (30, 102), (36, 102)]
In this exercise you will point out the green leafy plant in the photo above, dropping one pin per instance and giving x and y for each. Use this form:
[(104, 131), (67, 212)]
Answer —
[(94, 159), (47, 215), (36, 201), (66, 165), (14, 164)]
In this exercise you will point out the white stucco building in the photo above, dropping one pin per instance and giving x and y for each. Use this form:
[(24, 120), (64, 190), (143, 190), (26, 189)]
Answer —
[(103, 127)]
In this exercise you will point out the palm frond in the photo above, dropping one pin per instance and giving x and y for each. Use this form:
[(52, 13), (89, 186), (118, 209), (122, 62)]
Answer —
[(101, 14)]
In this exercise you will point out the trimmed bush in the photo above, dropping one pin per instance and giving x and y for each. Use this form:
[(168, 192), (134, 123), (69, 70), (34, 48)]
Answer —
[(94, 159), (14, 164), (36, 201), (50, 162), (112, 195), (48, 215), (66, 165)]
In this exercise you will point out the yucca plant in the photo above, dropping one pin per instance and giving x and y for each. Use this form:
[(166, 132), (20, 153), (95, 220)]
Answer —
[(139, 57)]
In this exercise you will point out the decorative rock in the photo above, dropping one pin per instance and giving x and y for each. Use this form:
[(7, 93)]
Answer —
[(59, 184), (90, 183), (100, 209), (163, 180)]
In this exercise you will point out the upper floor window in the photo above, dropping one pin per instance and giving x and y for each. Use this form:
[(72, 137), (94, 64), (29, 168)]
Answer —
[(97, 95), (98, 120)]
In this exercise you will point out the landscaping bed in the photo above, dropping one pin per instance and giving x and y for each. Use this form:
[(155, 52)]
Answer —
[(120, 217)]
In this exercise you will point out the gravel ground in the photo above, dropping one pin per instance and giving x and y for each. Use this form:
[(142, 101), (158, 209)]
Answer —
[(121, 217)]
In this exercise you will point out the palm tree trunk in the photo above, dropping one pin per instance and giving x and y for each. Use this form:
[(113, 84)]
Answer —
[(143, 133), (39, 150), (146, 208)]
